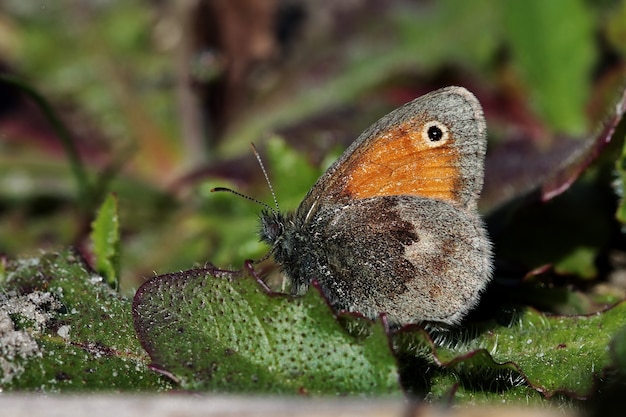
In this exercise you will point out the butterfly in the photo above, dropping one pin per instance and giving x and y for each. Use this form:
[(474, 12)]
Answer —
[(392, 226)]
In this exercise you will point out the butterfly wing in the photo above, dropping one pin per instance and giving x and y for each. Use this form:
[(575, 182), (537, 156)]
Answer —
[(432, 147), (392, 225), (414, 258)]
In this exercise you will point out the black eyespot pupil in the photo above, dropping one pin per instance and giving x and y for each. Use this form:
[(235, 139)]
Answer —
[(434, 133)]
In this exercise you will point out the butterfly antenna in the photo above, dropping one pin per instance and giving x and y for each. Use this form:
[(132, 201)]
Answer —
[(217, 189), (267, 178)]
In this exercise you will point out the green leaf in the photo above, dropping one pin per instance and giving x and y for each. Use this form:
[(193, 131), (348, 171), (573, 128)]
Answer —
[(69, 331), (105, 238), (553, 44), (226, 334), (550, 353)]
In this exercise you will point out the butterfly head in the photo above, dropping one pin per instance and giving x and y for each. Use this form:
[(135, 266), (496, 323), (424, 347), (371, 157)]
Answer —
[(272, 226)]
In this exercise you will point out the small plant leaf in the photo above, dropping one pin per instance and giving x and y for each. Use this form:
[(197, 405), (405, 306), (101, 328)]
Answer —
[(105, 238), (226, 334)]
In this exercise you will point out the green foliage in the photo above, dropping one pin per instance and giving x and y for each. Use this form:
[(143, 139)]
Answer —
[(105, 238), (551, 353), (64, 330), (226, 334), (552, 43), (215, 330)]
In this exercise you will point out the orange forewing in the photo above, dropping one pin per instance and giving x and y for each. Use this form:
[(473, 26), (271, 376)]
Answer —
[(401, 162)]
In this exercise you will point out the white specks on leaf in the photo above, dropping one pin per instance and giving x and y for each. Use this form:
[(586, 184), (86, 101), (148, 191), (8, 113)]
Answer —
[(22, 317), (64, 332)]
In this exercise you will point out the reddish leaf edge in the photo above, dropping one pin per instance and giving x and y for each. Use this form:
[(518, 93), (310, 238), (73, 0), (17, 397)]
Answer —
[(571, 169)]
